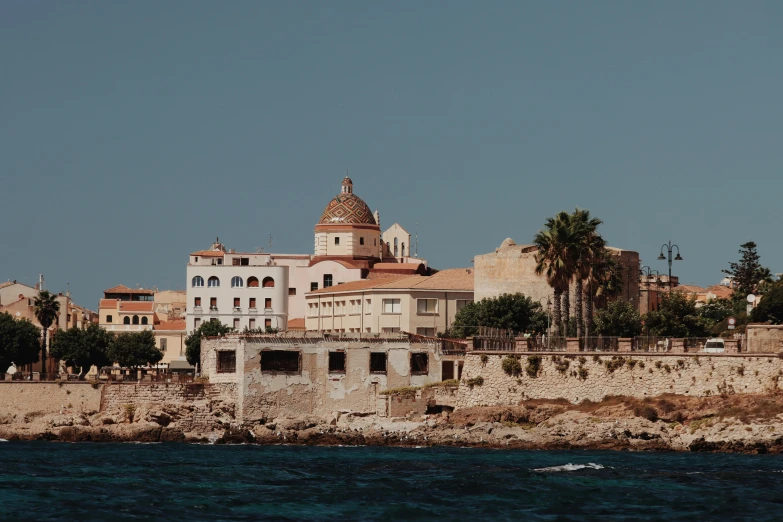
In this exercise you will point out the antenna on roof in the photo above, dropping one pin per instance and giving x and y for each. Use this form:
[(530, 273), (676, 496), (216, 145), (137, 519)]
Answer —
[(270, 242), (417, 241)]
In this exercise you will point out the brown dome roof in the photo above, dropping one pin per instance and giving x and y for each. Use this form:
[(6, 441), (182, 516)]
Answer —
[(347, 209)]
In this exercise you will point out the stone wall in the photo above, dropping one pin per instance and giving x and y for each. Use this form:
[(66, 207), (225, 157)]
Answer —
[(764, 338), (192, 406), (588, 377), (26, 398)]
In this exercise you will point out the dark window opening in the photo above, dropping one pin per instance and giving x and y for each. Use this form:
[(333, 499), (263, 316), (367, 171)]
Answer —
[(267, 323), (235, 261), (336, 362), (269, 282), (252, 302), (226, 361), (197, 301), (280, 361), (378, 362), (245, 261), (447, 370), (361, 240), (143, 320), (135, 319), (327, 280), (337, 240), (236, 302), (252, 282), (268, 302), (313, 286), (292, 291), (419, 363), (108, 319), (126, 320)]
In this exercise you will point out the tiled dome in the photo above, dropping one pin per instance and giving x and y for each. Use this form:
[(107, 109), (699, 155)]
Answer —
[(347, 208)]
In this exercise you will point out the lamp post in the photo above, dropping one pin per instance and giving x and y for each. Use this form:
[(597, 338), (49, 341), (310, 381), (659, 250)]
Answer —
[(668, 247), (548, 304)]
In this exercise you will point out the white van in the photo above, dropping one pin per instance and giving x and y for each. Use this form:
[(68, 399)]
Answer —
[(714, 345)]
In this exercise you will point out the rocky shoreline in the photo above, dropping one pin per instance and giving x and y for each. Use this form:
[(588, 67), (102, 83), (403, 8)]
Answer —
[(737, 423)]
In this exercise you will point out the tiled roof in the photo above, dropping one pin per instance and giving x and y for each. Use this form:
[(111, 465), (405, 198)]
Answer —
[(7, 283), (108, 303), (122, 289), (451, 279), (296, 324), (362, 284), (720, 291), (178, 324), (208, 253), (691, 289), (136, 306)]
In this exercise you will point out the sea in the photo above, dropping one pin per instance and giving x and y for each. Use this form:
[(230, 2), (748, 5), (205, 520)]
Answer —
[(169, 481)]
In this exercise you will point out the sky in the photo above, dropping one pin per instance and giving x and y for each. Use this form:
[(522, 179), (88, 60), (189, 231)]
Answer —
[(133, 133)]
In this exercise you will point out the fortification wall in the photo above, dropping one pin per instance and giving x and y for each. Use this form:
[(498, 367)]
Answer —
[(581, 377), (25, 398), (192, 406), (764, 338)]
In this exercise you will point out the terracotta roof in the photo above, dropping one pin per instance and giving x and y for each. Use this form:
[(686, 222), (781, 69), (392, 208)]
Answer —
[(7, 283), (136, 306), (122, 289), (720, 291), (347, 208), (362, 284), (691, 289), (397, 266), (296, 324), (208, 253), (178, 324), (108, 303)]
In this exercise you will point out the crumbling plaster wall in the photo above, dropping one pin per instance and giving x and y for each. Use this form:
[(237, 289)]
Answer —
[(644, 376), (22, 398)]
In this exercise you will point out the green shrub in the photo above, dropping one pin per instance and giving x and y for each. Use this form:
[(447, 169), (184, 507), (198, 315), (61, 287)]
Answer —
[(582, 360), (582, 372), (615, 363), (403, 390), (484, 358), (658, 364), (533, 366), (511, 365), (562, 365), (475, 381)]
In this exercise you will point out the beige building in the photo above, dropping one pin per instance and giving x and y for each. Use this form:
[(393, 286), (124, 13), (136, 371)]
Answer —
[(423, 305), (170, 304), (511, 268), (170, 339)]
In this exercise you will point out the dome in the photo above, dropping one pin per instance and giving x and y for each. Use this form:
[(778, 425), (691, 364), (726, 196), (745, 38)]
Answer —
[(347, 208)]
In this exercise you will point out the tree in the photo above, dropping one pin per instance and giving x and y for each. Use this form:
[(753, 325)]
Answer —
[(47, 308), (588, 248), (619, 319), (716, 310), (134, 349), (555, 260), (770, 307), (677, 317), (211, 328), (81, 349), (508, 311), (20, 342), (748, 274)]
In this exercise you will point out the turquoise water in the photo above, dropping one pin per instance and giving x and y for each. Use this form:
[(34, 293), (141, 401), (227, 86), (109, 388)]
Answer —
[(45, 481)]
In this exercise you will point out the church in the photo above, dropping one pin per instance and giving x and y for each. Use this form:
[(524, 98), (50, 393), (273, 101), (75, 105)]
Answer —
[(260, 291)]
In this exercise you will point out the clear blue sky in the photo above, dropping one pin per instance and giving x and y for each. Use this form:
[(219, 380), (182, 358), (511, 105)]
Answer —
[(132, 133)]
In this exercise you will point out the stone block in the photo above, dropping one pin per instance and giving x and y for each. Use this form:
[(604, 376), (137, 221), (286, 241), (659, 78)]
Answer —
[(677, 345), (624, 344), (572, 344), (731, 346)]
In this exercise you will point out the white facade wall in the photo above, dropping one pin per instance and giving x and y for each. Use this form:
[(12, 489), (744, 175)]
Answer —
[(350, 242), (224, 296)]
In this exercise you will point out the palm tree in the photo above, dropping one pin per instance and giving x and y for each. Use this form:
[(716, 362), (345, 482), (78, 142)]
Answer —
[(588, 245), (47, 308), (607, 281), (555, 260)]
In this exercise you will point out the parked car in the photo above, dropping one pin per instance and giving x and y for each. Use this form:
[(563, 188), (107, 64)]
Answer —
[(715, 345)]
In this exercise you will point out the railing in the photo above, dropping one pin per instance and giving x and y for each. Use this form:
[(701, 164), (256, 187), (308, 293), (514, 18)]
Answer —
[(600, 344), (546, 344), (651, 343)]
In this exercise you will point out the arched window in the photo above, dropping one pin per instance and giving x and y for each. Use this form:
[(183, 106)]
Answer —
[(213, 282), (269, 282), (396, 250), (144, 320), (198, 281), (135, 319), (236, 282), (403, 250), (126, 320), (252, 282)]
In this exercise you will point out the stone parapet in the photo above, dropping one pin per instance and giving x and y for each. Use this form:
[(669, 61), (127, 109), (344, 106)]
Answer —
[(731, 346), (572, 345), (624, 344)]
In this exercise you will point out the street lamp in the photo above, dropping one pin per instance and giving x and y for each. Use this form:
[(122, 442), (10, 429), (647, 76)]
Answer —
[(669, 246)]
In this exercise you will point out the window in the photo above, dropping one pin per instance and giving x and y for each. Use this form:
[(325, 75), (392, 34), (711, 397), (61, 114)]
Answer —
[(312, 310), (427, 332), (135, 319), (395, 247), (390, 329), (336, 362), (236, 282), (286, 361), (197, 302), (108, 318), (245, 261), (268, 303), (368, 306), (338, 307), (226, 361), (235, 261), (252, 282), (377, 362), (462, 303), (252, 302), (213, 303), (267, 323), (356, 305), (391, 306), (220, 261), (419, 363), (236, 302), (327, 280), (196, 322), (402, 250), (213, 282), (337, 240), (144, 320), (292, 291), (269, 282), (126, 320), (197, 281), (313, 286), (251, 323), (163, 345), (236, 323), (196, 259), (375, 242), (326, 309), (446, 370), (361, 240), (427, 306)]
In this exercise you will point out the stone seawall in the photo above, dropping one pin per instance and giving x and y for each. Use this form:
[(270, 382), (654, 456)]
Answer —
[(578, 377), (18, 399), (189, 406)]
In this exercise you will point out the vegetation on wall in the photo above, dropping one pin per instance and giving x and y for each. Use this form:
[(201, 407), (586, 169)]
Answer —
[(509, 311), (211, 328), (20, 342)]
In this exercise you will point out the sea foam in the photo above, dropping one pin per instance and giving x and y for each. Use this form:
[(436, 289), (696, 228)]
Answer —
[(571, 467)]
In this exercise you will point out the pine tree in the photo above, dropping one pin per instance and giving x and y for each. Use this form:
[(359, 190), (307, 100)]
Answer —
[(748, 273)]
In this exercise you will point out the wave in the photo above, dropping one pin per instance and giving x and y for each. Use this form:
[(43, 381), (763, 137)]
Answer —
[(571, 467), (3, 440)]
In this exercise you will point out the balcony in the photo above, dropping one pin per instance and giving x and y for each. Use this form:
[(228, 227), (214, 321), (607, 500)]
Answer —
[(197, 310), (252, 311), (268, 310), (213, 310), (237, 310)]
